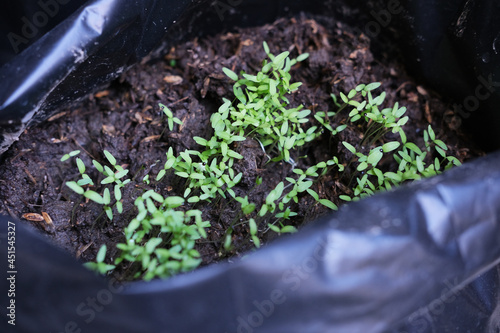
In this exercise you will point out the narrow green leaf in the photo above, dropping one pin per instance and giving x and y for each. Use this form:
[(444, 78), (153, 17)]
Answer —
[(272, 87), (263, 210), (413, 147), (170, 163), (274, 228), (195, 175), (278, 60), (160, 175), (302, 57), (284, 128), (166, 110), (108, 180), (344, 97), (289, 142), (372, 86), (80, 165), (390, 146), (349, 147), (375, 156), (420, 164), (200, 140), (98, 166), (152, 244), (266, 47), (85, 181), (157, 197), (256, 241), (121, 174), (232, 75), (437, 165), (224, 148), (362, 166), (174, 201), (232, 153), (94, 196), (288, 229), (253, 227), (101, 254), (182, 174), (109, 212), (75, 187), (106, 196), (248, 209), (313, 194), (432, 135), (119, 207), (440, 151), (441, 144), (345, 197), (110, 157), (328, 204)]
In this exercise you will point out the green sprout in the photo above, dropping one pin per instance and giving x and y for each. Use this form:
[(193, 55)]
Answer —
[(99, 265), (170, 117), (159, 241), (112, 177)]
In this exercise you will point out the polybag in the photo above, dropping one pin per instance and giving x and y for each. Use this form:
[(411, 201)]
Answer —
[(398, 261), (418, 259)]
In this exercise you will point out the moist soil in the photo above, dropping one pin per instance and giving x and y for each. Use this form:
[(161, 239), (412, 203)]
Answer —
[(125, 119)]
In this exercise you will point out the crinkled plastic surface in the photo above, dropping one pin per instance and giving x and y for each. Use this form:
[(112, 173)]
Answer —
[(419, 259), (88, 49), (398, 261)]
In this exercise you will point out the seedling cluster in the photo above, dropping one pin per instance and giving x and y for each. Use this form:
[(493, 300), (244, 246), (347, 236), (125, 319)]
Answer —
[(411, 160), (111, 177), (161, 237), (155, 216)]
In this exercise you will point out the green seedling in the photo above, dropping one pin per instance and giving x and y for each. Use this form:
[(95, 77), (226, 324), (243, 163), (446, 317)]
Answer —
[(113, 181), (170, 117), (99, 265), (160, 239)]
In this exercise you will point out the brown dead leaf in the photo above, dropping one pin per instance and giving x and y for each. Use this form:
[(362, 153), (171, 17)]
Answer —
[(355, 53), (58, 115), (452, 120), (139, 118), (83, 249), (427, 110), (34, 217), (47, 218), (204, 90), (421, 90), (173, 79), (109, 130), (313, 25), (30, 176), (412, 97), (247, 42), (103, 93), (54, 140), (151, 138)]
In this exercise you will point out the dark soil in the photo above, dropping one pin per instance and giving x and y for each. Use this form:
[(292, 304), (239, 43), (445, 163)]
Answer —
[(125, 119)]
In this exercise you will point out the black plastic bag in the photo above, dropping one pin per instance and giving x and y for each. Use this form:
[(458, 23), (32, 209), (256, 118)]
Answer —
[(397, 261), (418, 259)]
